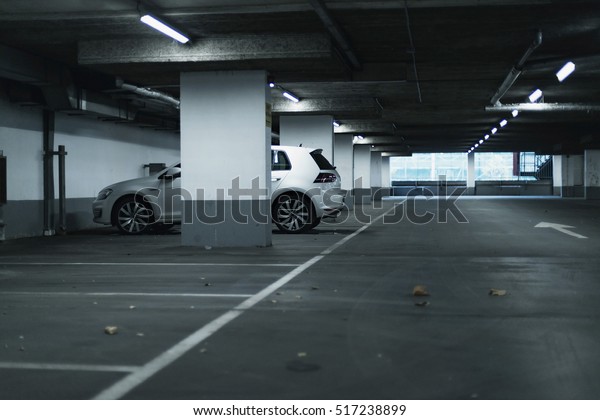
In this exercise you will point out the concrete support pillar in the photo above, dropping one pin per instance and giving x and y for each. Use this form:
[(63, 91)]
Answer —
[(314, 131), (225, 159), (568, 175), (592, 175), (557, 174), (362, 174), (470, 174), (386, 180), (343, 159), (376, 175)]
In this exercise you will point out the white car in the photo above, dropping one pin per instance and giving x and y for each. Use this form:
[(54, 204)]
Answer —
[(305, 188)]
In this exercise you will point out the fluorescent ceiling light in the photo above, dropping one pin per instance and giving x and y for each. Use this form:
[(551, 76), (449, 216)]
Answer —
[(164, 28), (515, 112), (476, 144), (494, 130), (480, 141), (535, 95), (336, 124), (565, 71), (503, 123), (271, 84), (487, 136), (291, 97)]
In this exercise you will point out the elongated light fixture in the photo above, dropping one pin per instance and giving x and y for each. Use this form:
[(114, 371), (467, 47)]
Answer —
[(164, 28), (336, 124), (290, 96), (565, 71), (535, 95), (503, 123)]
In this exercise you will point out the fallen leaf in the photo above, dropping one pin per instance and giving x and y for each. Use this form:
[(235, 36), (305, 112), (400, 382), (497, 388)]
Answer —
[(420, 290), (110, 330), (131, 307), (497, 292), (424, 303)]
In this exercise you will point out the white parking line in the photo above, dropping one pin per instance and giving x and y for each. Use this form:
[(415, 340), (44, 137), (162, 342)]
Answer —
[(149, 264), (134, 379), (103, 294), (59, 366)]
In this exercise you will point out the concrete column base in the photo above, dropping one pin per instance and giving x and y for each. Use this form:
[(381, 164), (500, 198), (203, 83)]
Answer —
[(227, 223), (362, 196), (592, 193)]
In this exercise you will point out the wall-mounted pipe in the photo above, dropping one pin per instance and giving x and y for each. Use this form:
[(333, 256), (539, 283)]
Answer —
[(515, 72), (48, 139), (149, 93)]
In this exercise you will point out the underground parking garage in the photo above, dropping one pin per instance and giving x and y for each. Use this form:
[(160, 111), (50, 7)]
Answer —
[(458, 264)]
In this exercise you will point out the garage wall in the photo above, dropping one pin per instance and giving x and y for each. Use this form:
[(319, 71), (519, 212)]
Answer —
[(99, 154)]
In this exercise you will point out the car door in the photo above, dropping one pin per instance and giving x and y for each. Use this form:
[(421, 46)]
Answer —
[(280, 168)]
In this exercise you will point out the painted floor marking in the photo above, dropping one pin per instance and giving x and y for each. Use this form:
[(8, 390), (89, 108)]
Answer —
[(60, 366), (144, 264), (110, 294), (134, 379)]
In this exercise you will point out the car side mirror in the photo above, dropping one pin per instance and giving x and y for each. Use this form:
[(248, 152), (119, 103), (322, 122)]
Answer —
[(171, 173)]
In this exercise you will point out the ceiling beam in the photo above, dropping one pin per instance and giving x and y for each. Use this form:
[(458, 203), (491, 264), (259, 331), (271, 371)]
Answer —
[(545, 107), (327, 106), (335, 30), (221, 48)]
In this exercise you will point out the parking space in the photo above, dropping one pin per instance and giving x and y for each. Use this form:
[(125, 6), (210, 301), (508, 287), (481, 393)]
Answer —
[(327, 314)]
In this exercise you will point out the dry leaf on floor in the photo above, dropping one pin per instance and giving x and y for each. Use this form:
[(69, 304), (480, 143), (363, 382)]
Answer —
[(110, 330), (497, 292), (420, 290)]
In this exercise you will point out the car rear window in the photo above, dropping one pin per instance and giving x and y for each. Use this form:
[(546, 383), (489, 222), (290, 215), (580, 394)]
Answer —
[(321, 160)]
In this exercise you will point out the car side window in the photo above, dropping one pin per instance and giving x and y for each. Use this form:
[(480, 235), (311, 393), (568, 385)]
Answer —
[(280, 161)]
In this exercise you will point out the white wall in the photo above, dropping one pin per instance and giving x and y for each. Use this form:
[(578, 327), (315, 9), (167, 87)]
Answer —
[(99, 153), (21, 141), (314, 131)]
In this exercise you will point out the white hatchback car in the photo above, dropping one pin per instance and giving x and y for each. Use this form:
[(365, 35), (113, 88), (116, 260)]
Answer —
[(305, 188)]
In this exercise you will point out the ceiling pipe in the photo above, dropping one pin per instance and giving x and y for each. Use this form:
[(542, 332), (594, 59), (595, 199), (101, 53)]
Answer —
[(149, 93), (515, 72)]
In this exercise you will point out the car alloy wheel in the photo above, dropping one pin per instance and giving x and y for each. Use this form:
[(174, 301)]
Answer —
[(293, 214), (133, 215)]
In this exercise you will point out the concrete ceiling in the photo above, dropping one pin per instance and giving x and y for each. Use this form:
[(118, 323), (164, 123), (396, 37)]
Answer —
[(416, 75)]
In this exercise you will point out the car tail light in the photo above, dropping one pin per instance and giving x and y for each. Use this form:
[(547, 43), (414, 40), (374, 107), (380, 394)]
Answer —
[(325, 177)]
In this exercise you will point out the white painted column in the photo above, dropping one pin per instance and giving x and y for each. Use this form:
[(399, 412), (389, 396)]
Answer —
[(557, 174), (225, 159), (386, 179), (362, 173), (343, 159), (568, 175), (592, 174), (471, 173), (376, 175), (314, 131)]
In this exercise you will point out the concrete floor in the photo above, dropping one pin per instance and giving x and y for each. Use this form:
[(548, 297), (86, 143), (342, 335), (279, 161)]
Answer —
[(341, 323)]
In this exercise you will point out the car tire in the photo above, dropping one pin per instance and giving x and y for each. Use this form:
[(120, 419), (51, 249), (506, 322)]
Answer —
[(293, 213), (133, 216)]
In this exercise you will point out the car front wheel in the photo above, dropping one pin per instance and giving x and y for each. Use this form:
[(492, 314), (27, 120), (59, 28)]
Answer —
[(133, 216), (293, 214)]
